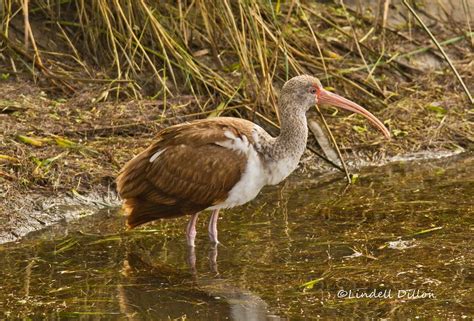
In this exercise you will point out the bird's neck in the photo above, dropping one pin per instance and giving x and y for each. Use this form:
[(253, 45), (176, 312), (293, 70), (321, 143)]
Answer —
[(293, 136)]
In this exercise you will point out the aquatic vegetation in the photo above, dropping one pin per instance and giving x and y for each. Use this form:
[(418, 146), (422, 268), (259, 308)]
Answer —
[(386, 247)]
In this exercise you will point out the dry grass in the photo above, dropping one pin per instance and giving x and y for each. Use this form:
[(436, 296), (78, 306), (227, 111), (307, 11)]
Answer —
[(228, 51)]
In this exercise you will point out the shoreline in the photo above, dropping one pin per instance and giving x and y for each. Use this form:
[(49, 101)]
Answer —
[(41, 212)]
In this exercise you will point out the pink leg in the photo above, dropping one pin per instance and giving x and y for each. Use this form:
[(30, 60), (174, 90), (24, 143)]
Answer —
[(213, 226), (191, 230)]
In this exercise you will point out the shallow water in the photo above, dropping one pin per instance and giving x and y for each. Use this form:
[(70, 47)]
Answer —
[(397, 244)]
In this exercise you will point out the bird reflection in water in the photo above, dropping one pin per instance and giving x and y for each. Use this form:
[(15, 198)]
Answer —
[(159, 291)]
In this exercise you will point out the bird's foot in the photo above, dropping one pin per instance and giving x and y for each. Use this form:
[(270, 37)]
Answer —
[(190, 240), (213, 239)]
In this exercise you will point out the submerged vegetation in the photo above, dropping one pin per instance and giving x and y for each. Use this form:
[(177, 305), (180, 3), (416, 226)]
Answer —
[(287, 255)]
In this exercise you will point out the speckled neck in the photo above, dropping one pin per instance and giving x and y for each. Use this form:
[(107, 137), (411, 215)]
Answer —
[(293, 134)]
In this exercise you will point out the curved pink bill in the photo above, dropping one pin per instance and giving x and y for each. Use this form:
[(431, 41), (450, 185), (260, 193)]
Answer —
[(327, 97)]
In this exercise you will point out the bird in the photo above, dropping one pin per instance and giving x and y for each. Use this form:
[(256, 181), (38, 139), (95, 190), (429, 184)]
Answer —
[(222, 162)]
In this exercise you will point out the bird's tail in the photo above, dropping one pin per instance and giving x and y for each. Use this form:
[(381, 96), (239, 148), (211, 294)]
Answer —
[(143, 211)]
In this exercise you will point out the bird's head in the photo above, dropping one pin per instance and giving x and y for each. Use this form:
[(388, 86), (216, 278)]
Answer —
[(302, 92)]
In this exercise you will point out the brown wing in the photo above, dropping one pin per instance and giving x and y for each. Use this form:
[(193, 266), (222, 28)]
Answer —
[(190, 174)]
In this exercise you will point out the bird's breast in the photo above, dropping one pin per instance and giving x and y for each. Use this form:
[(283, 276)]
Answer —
[(251, 182), (277, 170)]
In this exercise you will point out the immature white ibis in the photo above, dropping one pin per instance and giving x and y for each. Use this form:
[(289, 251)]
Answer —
[(221, 162)]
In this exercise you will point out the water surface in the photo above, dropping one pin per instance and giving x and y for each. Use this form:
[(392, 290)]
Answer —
[(396, 244)]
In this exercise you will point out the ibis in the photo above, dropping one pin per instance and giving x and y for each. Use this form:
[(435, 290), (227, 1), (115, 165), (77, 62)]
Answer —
[(222, 162)]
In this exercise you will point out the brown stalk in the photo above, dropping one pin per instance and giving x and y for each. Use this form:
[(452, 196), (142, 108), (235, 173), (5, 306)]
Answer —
[(333, 140)]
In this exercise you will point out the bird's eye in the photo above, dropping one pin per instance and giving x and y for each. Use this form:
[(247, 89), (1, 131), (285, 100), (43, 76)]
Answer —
[(313, 90)]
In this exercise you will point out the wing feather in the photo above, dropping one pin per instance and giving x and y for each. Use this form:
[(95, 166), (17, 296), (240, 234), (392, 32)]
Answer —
[(192, 171)]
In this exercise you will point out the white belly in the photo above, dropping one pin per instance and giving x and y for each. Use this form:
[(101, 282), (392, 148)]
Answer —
[(250, 184), (248, 187), (256, 174)]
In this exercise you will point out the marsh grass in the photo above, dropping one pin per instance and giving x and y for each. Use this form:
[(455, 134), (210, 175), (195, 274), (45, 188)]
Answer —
[(227, 51)]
